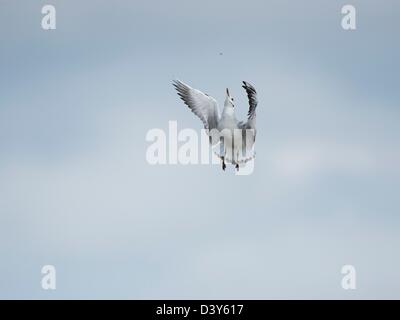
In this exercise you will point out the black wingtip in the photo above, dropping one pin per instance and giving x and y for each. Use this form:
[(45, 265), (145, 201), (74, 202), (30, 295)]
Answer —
[(246, 85), (176, 82), (177, 85)]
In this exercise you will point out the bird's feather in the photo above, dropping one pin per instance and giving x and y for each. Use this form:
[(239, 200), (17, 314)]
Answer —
[(252, 96), (201, 104)]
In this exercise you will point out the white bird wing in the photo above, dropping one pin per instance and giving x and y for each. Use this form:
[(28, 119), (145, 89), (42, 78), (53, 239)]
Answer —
[(201, 104)]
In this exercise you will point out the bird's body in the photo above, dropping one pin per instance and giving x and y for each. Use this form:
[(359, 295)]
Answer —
[(229, 129), (228, 119), (236, 138)]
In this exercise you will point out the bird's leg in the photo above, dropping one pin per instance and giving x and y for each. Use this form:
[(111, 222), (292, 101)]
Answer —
[(222, 152), (237, 164)]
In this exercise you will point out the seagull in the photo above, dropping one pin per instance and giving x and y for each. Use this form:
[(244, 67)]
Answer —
[(235, 138)]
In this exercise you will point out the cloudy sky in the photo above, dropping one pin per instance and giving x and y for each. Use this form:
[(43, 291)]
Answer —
[(76, 191)]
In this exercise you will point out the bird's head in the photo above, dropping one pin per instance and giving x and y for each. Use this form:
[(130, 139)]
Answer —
[(229, 99)]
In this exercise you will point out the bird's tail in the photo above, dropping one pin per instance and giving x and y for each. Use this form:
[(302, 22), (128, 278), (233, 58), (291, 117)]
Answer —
[(241, 161)]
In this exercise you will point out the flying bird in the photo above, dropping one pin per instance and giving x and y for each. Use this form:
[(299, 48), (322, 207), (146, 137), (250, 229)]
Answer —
[(235, 138)]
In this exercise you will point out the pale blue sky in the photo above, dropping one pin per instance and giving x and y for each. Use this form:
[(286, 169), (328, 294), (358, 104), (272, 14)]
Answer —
[(76, 190)]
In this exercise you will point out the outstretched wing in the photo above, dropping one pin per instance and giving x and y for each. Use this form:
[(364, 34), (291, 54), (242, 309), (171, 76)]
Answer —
[(249, 127), (202, 105), (252, 96)]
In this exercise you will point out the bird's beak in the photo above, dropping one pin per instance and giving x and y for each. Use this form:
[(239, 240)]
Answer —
[(227, 92)]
